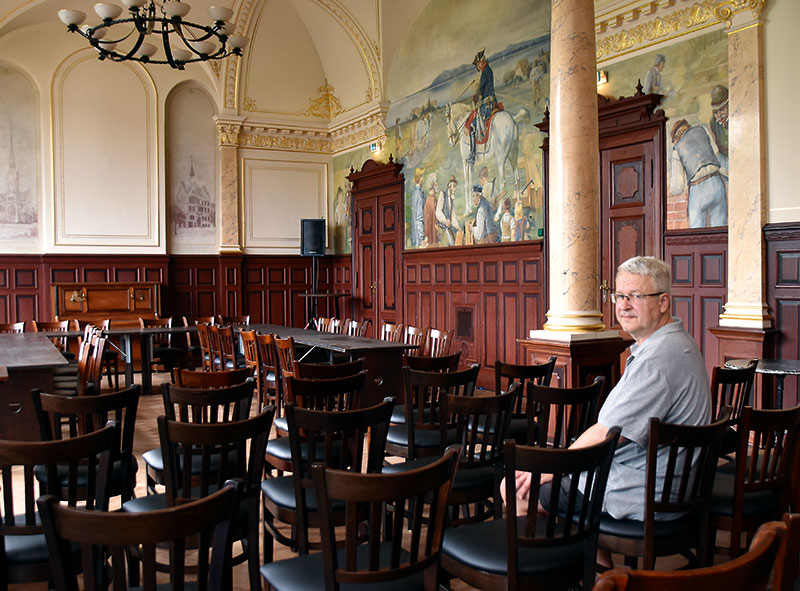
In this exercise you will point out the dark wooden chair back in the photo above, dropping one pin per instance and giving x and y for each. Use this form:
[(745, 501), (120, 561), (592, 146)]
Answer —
[(378, 556), (440, 363), (215, 345), (16, 327), (101, 534), (328, 370), (227, 339), (749, 572), (187, 378), (558, 416), (269, 372), (286, 358), (238, 320), (204, 338), (324, 324), (392, 332), (208, 405), (732, 387), (787, 563), (363, 327), (252, 360), (439, 342), (342, 393), (82, 462), (54, 325), (62, 417), (506, 374), (414, 335)]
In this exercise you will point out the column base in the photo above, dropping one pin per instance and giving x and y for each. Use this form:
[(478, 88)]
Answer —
[(745, 315)]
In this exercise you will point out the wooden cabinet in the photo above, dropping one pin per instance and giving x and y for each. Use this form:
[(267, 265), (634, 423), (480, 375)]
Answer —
[(97, 301)]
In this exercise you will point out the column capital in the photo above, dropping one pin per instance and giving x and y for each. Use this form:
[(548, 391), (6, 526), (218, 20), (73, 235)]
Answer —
[(739, 14), (228, 129)]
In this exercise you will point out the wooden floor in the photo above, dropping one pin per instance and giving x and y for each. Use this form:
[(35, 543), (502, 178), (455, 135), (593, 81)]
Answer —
[(146, 438)]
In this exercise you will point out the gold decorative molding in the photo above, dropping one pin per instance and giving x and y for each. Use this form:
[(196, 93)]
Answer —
[(369, 128), (284, 138), (233, 66), (250, 104), (327, 105), (216, 67), (228, 131), (727, 9)]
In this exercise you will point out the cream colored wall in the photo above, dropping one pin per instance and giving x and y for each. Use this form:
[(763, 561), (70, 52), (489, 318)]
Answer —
[(782, 77)]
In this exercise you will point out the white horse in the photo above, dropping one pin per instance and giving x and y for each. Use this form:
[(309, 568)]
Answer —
[(503, 142)]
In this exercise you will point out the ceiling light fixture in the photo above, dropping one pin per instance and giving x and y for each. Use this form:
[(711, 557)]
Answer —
[(183, 42)]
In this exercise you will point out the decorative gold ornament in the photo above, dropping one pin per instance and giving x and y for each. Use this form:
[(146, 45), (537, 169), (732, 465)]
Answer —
[(726, 9), (250, 104), (327, 105)]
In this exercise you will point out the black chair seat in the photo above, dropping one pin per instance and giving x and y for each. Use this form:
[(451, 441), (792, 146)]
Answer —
[(281, 424), (755, 503), (483, 546), (117, 477), (398, 415), (306, 572), (464, 479), (32, 549), (633, 529), (281, 449), (398, 435), (155, 460), (280, 490)]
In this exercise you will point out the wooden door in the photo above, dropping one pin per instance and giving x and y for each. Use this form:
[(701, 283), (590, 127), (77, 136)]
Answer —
[(377, 242)]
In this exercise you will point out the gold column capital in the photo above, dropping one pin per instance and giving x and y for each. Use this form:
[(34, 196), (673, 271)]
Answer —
[(228, 129)]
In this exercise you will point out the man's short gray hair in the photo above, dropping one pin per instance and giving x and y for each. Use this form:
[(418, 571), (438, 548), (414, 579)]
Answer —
[(651, 267)]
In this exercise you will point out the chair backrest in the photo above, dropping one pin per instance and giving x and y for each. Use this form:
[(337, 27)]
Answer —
[(441, 363), (285, 350), (423, 490), (749, 572), (269, 364), (159, 339), (391, 332), (557, 416), (17, 327), (56, 325), (328, 370), (506, 374), (732, 387), (342, 393), (424, 391), (414, 335), (102, 533), (439, 342), (252, 359), (215, 347), (240, 320), (227, 342), (208, 405), (787, 563), (62, 417), (569, 516), (223, 451), (352, 440), (324, 324), (92, 371), (189, 378), (204, 338), (363, 327)]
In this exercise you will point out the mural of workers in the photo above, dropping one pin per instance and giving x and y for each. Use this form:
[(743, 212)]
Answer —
[(446, 211), (652, 81), (718, 125), (417, 209)]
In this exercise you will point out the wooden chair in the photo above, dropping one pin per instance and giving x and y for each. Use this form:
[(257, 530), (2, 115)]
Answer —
[(420, 434), (110, 360), (392, 332), (413, 335), (269, 373), (215, 348), (549, 550), (749, 572), (506, 374), (286, 359), (316, 371), (439, 342), (231, 357), (373, 553), (787, 563), (363, 327), (197, 405), (687, 457), (240, 320), (480, 430), (252, 360), (165, 349), (62, 417), (732, 387), (188, 378), (88, 377), (100, 534), (61, 343), (756, 488), (345, 440), (349, 327), (204, 340), (82, 462), (444, 363), (324, 324), (558, 416), (13, 327), (340, 394), (223, 450)]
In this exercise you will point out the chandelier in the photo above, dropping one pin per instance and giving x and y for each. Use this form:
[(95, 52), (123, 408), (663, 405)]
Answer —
[(182, 42)]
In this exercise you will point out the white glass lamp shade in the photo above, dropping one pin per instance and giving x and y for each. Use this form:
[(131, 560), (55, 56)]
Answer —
[(99, 33), (205, 47), (174, 8), (146, 50), (71, 17), (105, 11), (107, 45), (181, 55), (238, 41), (134, 3), (220, 13), (227, 28)]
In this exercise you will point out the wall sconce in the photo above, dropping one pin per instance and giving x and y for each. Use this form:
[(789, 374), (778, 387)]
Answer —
[(602, 77)]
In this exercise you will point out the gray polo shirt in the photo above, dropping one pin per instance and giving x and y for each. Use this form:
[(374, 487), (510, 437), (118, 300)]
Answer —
[(664, 377)]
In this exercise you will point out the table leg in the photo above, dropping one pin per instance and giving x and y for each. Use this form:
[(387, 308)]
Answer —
[(779, 391), (147, 373), (127, 351)]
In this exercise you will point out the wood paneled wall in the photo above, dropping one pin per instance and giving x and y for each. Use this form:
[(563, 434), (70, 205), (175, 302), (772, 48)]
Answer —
[(490, 296)]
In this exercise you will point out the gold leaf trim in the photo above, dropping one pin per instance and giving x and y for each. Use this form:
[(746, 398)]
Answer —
[(327, 105)]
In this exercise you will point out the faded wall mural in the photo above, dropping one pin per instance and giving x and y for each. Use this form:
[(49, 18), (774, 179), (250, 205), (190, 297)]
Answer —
[(191, 170), (693, 77), (19, 189), (340, 214)]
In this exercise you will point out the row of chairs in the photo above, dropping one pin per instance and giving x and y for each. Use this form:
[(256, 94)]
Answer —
[(349, 327), (430, 342)]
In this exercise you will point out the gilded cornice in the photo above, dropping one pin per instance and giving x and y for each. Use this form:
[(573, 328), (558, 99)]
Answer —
[(228, 131), (326, 104), (368, 128), (727, 9), (286, 139)]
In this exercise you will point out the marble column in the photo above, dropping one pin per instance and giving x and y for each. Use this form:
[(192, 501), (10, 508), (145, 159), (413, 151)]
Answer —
[(573, 235), (230, 222), (747, 209)]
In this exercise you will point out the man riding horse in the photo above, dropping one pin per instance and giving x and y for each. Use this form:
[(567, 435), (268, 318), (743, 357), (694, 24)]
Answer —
[(483, 99)]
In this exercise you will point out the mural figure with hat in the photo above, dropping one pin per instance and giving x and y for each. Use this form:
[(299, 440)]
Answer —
[(652, 81), (718, 125), (484, 230), (484, 101), (431, 233), (695, 164), (446, 211), (417, 209)]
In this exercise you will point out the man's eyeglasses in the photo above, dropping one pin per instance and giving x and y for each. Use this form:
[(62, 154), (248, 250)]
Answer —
[(635, 297)]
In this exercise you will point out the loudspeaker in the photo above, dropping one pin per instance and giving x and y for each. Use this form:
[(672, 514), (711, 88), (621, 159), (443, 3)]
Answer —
[(312, 237)]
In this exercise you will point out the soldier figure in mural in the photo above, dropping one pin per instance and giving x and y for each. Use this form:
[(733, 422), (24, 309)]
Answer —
[(446, 211), (484, 101)]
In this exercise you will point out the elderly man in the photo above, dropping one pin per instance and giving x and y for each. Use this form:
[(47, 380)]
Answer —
[(665, 377)]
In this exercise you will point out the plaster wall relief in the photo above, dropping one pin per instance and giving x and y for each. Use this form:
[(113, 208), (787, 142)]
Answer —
[(19, 162), (191, 172)]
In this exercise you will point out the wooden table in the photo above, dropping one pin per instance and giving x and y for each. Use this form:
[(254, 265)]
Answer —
[(29, 359), (780, 368), (313, 298), (383, 360)]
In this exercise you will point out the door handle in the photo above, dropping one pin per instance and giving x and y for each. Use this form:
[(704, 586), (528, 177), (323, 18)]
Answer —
[(604, 289), (373, 288)]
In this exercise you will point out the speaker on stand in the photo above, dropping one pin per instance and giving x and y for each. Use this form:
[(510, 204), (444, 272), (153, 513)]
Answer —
[(312, 244)]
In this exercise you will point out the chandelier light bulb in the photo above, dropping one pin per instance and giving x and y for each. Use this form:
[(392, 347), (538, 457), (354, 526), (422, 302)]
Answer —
[(238, 41), (173, 8), (71, 17), (147, 50), (220, 13), (107, 11), (181, 55)]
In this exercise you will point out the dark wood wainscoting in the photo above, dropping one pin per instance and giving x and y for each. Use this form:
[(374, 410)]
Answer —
[(490, 296), (699, 263)]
